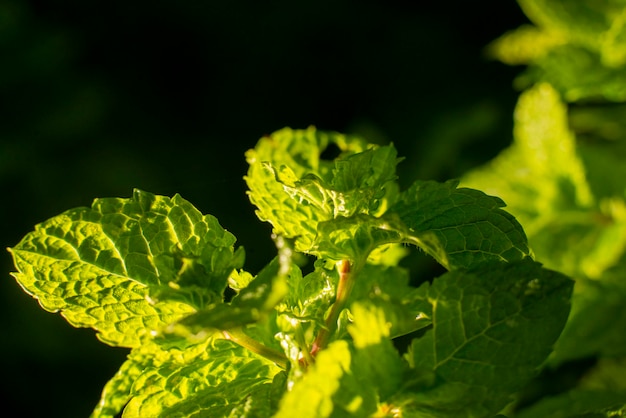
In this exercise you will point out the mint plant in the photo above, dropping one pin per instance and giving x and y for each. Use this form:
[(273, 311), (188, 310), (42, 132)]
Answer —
[(311, 334)]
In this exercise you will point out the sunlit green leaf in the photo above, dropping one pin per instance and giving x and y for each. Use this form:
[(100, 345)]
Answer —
[(357, 236), (349, 381), (127, 267), (211, 378), (252, 304), (577, 46), (295, 189), (387, 287)]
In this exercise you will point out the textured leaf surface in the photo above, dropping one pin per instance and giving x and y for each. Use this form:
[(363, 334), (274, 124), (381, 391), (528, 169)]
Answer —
[(459, 227), (355, 237), (349, 381), (208, 379), (252, 304), (492, 328), (126, 267), (117, 391), (294, 188)]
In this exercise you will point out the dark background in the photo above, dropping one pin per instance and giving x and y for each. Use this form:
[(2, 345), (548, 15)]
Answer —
[(98, 98)]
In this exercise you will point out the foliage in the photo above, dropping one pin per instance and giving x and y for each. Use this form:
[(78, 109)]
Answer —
[(154, 274), (563, 178), (318, 331)]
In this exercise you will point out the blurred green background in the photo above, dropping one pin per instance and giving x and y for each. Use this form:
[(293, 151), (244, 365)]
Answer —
[(98, 98)]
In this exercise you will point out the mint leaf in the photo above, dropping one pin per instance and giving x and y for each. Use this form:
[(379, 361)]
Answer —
[(459, 227), (578, 404), (252, 304), (127, 267), (493, 326), (599, 393), (406, 308), (596, 323), (295, 189), (216, 376), (524, 45), (579, 47), (376, 361), (312, 396), (598, 26), (543, 181), (117, 391), (356, 237), (349, 380)]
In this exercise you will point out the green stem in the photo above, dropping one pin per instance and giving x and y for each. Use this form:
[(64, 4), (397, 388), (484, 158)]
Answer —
[(306, 359), (237, 336), (344, 288)]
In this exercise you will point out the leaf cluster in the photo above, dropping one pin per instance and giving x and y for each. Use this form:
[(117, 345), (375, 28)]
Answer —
[(563, 179), (153, 274), (317, 332)]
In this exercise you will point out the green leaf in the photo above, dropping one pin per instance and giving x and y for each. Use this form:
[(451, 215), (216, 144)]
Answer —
[(355, 237), (493, 327), (577, 46), (578, 404), (312, 396), (543, 181), (127, 267), (597, 321), (406, 308), (459, 227), (578, 74), (349, 381), (601, 392), (208, 379), (295, 189), (540, 173), (596, 25), (252, 304), (376, 361), (117, 391), (524, 45)]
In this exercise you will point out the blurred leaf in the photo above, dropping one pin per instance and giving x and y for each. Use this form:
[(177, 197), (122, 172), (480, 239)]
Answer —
[(578, 404), (577, 46), (598, 25), (524, 45), (597, 321), (543, 181)]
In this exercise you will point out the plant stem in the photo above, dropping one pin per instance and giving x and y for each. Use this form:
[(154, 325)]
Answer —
[(237, 336), (306, 359), (344, 287)]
